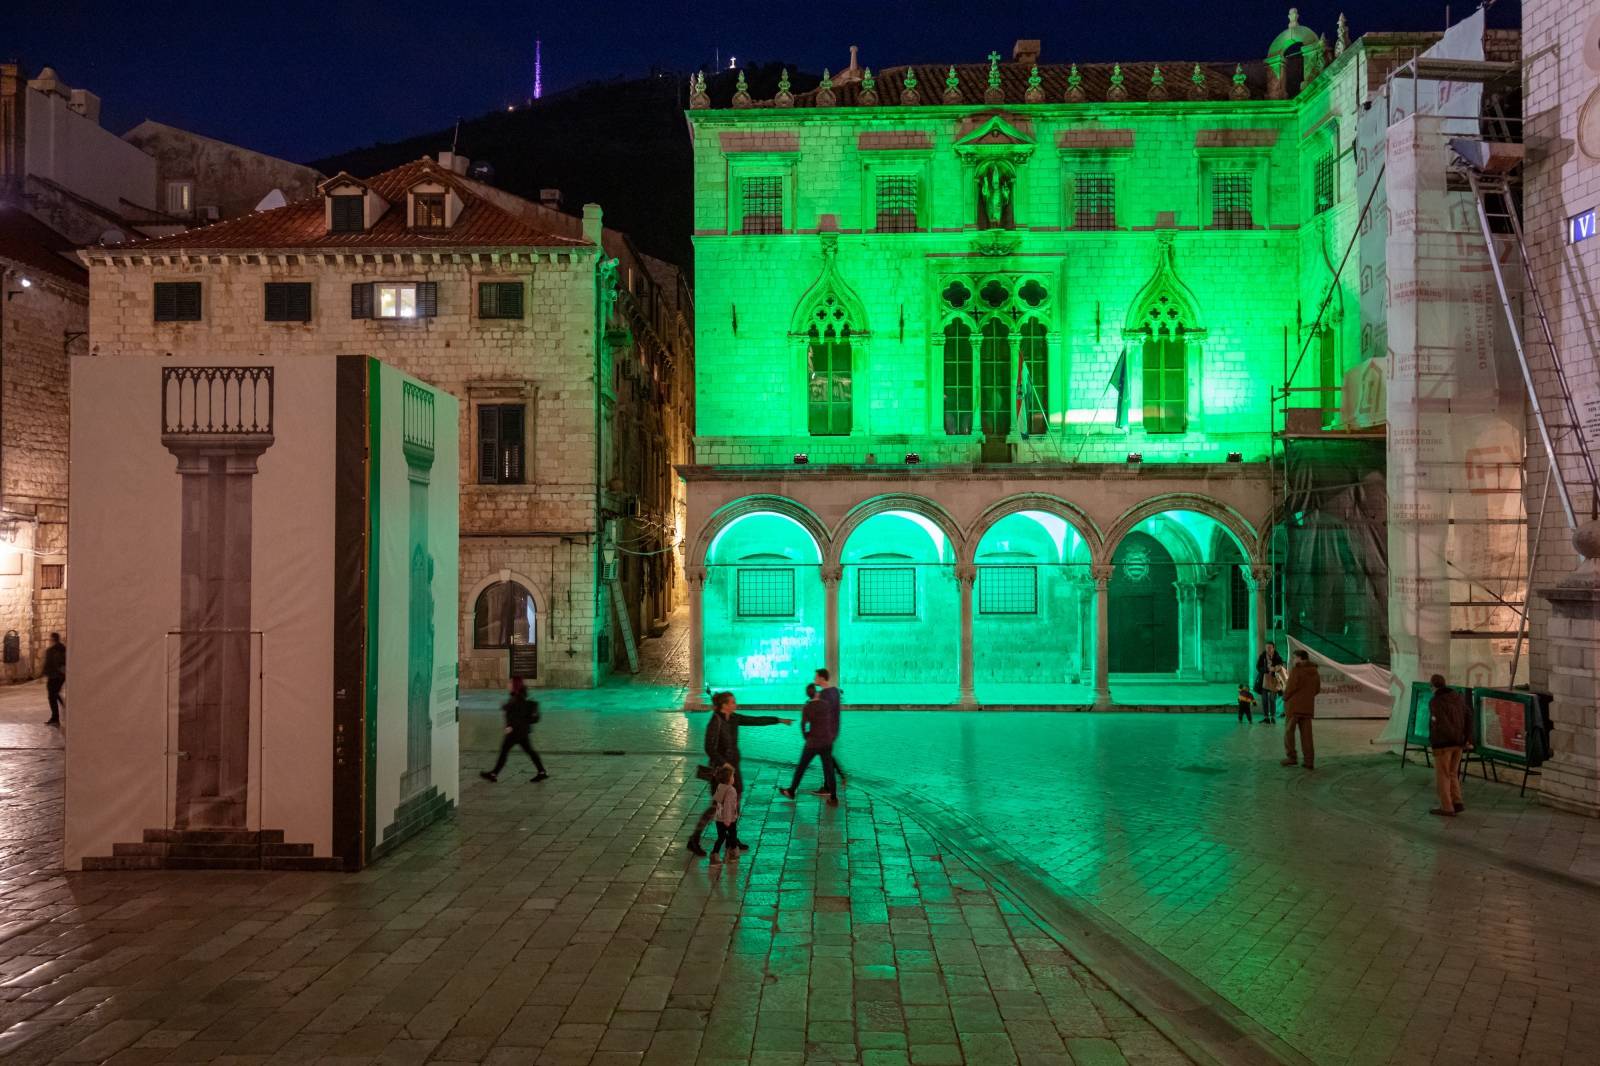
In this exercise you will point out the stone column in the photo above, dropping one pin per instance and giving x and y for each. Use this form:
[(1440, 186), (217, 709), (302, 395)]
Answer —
[(1102, 635), (1259, 578), (1571, 777), (966, 574), (695, 577), (1188, 630), (832, 574)]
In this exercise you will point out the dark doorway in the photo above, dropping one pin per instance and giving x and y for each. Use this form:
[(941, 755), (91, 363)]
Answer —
[(1143, 608)]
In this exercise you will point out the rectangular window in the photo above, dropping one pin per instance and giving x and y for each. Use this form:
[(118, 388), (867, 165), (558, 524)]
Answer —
[(764, 592), (958, 391), (52, 575), (1230, 201), (1239, 597), (500, 299), (180, 198), (386, 299), (502, 429), (177, 301), (1094, 202), (348, 214), (427, 211), (288, 301), (897, 203), (1166, 384), (1008, 590), (762, 203), (886, 592), (1324, 187), (828, 404)]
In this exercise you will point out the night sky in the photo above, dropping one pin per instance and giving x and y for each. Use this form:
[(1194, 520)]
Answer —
[(303, 80)]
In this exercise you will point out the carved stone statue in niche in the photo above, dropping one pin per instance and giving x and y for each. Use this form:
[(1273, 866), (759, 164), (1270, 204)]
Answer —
[(996, 182)]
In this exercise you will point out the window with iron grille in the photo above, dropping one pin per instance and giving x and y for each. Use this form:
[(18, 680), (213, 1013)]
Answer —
[(1324, 183), (764, 592), (177, 301), (1239, 596), (1230, 201), (347, 214), (1094, 202), (1008, 590), (52, 575), (886, 592), (501, 431), (500, 299), (897, 203), (288, 301), (762, 205)]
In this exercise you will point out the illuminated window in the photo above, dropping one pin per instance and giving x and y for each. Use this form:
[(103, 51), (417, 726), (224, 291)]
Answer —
[(1239, 596), (1008, 590), (762, 203), (501, 435), (180, 198), (958, 403), (427, 211), (1094, 202), (994, 379), (1323, 183), (347, 213), (394, 300), (886, 592), (504, 615), (764, 592), (1230, 201), (897, 203)]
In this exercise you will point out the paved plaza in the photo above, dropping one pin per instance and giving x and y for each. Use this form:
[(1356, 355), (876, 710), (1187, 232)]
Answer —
[(1009, 887)]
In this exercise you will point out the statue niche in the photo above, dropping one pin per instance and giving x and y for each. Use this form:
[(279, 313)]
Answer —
[(995, 150)]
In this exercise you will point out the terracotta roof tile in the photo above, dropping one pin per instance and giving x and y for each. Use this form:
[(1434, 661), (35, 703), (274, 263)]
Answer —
[(302, 225)]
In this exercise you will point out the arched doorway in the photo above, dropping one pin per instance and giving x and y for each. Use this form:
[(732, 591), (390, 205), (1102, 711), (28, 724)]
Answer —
[(899, 612), (1143, 607), (505, 617), (1033, 620), (763, 608)]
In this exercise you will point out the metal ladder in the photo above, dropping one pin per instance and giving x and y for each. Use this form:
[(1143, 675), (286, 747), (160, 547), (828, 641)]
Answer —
[(1570, 457)]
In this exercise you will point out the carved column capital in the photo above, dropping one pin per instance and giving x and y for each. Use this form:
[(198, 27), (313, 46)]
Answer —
[(1258, 576), (966, 573), (1101, 574), (832, 573)]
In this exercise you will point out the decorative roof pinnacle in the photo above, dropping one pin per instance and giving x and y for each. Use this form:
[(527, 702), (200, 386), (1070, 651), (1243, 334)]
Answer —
[(1074, 86), (1239, 91), (994, 70), (1197, 84), (1116, 92), (1158, 84), (699, 100), (785, 98), (869, 89), (909, 95), (1341, 39), (741, 92), (1035, 92), (952, 87)]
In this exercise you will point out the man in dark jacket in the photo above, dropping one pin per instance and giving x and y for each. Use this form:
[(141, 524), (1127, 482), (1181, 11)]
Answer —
[(521, 713), (722, 749), (1449, 735), (55, 674), (819, 724), (1300, 708)]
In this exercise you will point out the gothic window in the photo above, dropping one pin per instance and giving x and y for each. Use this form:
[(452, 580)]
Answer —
[(958, 378), (1094, 202), (1230, 200), (828, 370), (1166, 369), (994, 378), (1034, 356), (897, 203)]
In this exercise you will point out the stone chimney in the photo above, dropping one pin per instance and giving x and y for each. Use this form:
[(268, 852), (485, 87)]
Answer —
[(550, 198), (1025, 51), (454, 162), (593, 228), (853, 71), (86, 104)]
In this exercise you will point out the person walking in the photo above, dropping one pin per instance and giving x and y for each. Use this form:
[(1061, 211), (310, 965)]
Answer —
[(725, 802), (1269, 684), (1247, 702), (1449, 735), (521, 713), (722, 749), (819, 724), (1300, 708), (829, 693), (55, 676)]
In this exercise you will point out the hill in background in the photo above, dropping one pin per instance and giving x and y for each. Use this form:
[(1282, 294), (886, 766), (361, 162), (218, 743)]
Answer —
[(621, 144)]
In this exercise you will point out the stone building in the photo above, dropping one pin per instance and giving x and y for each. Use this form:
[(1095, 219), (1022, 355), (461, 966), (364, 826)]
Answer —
[(44, 300), (1561, 197), (558, 341), (992, 361)]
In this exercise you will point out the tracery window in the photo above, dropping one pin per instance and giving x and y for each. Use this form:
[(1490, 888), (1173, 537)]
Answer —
[(829, 368), (958, 378), (1007, 317), (1166, 369)]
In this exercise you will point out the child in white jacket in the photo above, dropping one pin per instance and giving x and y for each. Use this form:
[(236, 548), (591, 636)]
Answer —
[(725, 804)]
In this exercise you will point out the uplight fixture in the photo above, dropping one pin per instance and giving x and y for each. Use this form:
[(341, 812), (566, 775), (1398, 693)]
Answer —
[(912, 458), (1235, 457), (1136, 457), (801, 458)]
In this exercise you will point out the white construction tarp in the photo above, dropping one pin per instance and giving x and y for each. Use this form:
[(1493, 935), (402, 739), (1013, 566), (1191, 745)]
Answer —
[(1349, 690)]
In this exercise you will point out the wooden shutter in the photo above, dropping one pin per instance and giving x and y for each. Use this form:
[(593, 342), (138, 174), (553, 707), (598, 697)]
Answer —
[(488, 445), (427, 299), (361, 299), (188, 301), (510, 299), (166, 302), (277, 302), (487, 304), (511, 435), (300, 302)]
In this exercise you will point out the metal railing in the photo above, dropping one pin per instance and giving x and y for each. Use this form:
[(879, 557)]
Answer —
[(216, 400)]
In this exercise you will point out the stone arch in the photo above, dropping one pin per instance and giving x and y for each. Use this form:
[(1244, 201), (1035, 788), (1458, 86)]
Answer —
[(731, 512), (1249, 541), (1069, 513), (894, 501), (1165, 283), (469, 607)]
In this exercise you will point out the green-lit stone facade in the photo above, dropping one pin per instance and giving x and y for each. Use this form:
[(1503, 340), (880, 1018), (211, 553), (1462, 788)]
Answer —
[(1019, 274)]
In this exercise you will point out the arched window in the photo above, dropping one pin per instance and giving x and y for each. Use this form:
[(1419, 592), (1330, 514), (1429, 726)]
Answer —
[(828, 370), (1034, 354), (958, 378), (504, 614), (1166, 370), (994, 378)]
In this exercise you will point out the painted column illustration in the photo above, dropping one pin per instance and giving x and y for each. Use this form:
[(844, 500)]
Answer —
[(1101, 573), (417, 442), (966, 574), (217, 421)]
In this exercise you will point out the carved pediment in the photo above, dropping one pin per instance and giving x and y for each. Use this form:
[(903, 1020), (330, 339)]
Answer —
[(995, 137)]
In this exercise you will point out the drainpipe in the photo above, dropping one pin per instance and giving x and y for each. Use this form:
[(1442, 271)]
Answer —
[(605, 272)]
